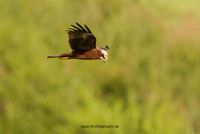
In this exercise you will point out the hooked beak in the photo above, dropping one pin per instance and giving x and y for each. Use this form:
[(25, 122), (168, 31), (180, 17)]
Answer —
[(104, 60)]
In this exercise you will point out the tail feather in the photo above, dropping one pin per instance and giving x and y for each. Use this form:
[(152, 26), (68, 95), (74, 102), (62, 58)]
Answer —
[(59, 56), (53, 56)]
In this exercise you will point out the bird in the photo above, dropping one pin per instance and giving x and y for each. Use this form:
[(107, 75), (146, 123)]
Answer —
[(83, 44)]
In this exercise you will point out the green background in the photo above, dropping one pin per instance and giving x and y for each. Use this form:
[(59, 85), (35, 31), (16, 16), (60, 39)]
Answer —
[(149, 85)]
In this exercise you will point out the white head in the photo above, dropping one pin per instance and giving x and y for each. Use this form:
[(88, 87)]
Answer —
[(105, 55)]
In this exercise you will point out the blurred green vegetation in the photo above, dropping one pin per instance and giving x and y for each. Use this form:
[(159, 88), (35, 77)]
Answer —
[(149, 85)]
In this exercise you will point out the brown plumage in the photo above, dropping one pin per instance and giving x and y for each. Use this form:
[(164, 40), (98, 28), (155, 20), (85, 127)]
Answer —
[(83, 45)]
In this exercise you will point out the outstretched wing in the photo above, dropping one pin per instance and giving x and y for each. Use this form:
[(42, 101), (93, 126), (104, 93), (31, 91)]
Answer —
[(81, 38)]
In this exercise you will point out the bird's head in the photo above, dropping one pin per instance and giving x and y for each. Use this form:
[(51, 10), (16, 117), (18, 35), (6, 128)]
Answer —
[(104, 53)]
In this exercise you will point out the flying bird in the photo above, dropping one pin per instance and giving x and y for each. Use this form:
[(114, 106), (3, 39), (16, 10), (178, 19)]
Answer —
[(83, 45)]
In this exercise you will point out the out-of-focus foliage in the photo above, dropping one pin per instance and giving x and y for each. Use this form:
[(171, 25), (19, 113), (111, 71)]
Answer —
[(149, 85)]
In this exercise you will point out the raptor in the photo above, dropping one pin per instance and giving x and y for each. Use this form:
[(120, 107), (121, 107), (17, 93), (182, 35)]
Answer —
[(83, 44)]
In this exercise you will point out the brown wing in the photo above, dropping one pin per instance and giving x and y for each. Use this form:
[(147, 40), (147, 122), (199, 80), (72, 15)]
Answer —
[(81, 38)]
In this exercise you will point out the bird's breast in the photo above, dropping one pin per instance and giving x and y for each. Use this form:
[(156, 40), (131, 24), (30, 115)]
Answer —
[(90, 54)]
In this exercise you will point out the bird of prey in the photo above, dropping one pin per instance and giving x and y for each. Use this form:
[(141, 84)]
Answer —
[(83, 45)]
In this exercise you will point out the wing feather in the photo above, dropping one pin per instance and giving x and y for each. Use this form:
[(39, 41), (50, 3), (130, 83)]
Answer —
[(80, 26), (80, 38), (87, 28), (76, 28)]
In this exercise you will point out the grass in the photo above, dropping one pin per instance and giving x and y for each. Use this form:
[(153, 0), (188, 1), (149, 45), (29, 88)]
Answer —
[(150, 84)]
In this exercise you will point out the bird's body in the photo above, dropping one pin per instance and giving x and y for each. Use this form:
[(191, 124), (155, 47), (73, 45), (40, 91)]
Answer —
[(83, 45), (92, 54)]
